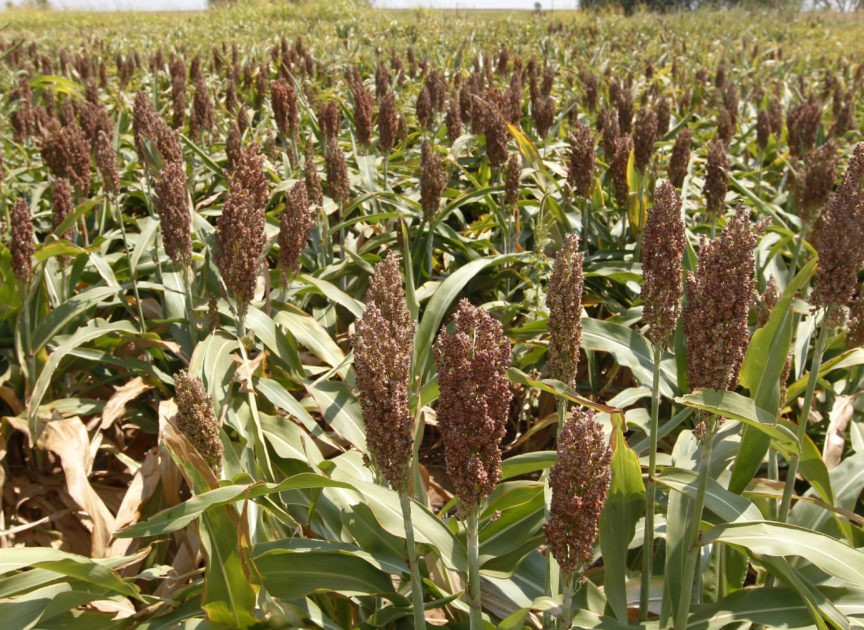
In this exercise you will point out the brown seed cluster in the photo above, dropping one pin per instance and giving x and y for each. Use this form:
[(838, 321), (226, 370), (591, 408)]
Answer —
[(841, 247), (453, 120), (813, 190), (474, 404), (623, 145), (679, 161), (662, 251), (388, 121), (512, 176), (21, 245), (717, 303), (432, 180), (363, 107), (802, 122), (283, 100), (716, 182), (564, 299), (201, 119), (383, 345), (644, 137), (178, 93), (174, 216), (106, 163), (580, 159), (195, 419), (337, 186), (310, 176), (579, 480), (240, 235), (495, 130), (66, 152), (61, 206), (295, 223)]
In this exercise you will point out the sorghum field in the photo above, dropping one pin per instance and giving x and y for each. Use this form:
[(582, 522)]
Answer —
[(321, 316)]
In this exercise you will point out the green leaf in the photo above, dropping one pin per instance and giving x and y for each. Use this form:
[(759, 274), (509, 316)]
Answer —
[(769, 607), (78, 304), (291, 574), (228, 595), (68, 564), (334, 294), (625, 504), (763, 367), (440, 304), (178, 516), (730, 507), (95, 329), (778, 539), (341, 410), (312, 335), (557, 388), (630, 350), (736, 407), (525, 463)]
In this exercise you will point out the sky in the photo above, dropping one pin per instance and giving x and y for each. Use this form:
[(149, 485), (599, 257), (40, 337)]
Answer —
[(194, 5)]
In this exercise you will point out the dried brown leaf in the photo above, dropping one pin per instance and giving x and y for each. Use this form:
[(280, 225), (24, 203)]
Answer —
[(116, 405)]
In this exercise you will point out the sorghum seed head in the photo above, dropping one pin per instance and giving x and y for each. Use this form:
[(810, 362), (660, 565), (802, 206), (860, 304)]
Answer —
[(310, 176), (474, 404), (21, 245), (580, 159), (106, 162), (328, 120), (716, 183), (663, 248), (388, 122), (564, 299), (337, 185), (66, 152), (512, 175), (802, 122), (763, 129), (173, 209), (579, 480), (453, 120), (295, 224), (362, 113), (623, 145), (644, 137), (240, 235), (178, 93), (814, 189), (61, 206), (283, 100), (201, 119), (425, 113), (679, 161), (717, 304), (841, 247), (495, 130), (432, 180), (607, 124), (196, 420), (383, 345)]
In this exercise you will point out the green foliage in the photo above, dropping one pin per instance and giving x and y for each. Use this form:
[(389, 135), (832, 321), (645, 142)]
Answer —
[(111, 518)]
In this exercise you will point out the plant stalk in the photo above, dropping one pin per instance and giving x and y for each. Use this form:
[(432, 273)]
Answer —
[(650, 490), (792, 472), (692, 561), (132, 273), (475, 601), (411, 549), (566, 601)]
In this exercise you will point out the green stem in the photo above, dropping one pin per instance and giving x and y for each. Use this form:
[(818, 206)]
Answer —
[(692, 560), (476, 616), (553, 571), (416, 582), (567, 601), (132, 273), (651, 489), (818, 351)]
